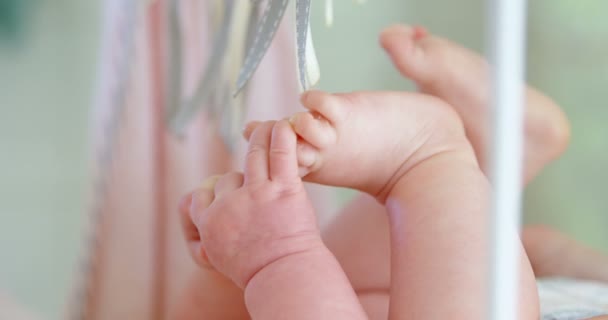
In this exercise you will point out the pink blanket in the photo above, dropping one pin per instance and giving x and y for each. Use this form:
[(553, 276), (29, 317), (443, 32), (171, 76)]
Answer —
[(141, 262)]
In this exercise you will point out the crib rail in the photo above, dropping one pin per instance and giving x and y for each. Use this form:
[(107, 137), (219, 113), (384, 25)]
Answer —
[(506, 21)]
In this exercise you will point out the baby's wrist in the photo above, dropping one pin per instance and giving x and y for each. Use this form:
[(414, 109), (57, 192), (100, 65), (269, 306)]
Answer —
[(292, 253)]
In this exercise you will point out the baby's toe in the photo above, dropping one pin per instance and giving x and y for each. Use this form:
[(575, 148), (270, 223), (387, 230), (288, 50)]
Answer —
[(408, 49), (325, 104), (313, 128), (305, 152)]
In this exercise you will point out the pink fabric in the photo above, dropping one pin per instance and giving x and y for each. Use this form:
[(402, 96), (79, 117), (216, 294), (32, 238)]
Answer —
[(126, 259)]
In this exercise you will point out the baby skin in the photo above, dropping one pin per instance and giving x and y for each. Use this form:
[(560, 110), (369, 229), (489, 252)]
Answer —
[(461, 78), (259, 230), (457, 76), (407, 150)]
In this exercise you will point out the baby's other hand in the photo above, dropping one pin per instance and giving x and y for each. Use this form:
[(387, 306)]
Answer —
[(240, 223)]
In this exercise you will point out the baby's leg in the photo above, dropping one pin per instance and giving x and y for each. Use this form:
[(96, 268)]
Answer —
[(364, 218), (410, 149), (553, 254), (433, 190), (460, 77), (210, 295), (463, 82), (444, 233)]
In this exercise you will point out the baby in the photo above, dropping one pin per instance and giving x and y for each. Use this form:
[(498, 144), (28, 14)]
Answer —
[(258, 228)]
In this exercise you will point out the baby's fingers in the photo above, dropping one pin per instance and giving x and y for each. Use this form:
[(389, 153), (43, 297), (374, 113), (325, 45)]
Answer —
[(282, 155), (249, 128), (188, 227), (228, 183), (192, 209), (306, 153)]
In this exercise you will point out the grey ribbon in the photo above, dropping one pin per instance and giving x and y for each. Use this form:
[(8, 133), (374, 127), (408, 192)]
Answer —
[(233, 116), (120, 63), (210, 90), (265, 32), (174, 85), (209, 82), (302, 21)]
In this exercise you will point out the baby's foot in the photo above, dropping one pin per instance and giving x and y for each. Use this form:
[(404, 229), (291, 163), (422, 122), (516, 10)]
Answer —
[(460, 77), (367, 141), (240, 223)]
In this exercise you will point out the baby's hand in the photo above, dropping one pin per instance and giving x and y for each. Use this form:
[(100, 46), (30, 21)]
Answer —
[(240, 223)]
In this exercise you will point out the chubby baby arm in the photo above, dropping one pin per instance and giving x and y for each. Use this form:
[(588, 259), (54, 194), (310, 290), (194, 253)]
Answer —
[(259, 229)]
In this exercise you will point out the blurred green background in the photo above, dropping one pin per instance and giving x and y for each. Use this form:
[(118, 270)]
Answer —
[(48, 54)]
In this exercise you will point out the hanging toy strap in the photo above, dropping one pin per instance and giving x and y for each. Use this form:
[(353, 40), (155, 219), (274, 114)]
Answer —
[(118, 49), (265, 33), (308, 67), (208, 92), (175, 50), (184, 112), (302, 28)]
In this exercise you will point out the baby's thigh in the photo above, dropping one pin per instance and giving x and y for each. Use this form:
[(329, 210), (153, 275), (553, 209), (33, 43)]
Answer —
[(359, 238), (375, 304)]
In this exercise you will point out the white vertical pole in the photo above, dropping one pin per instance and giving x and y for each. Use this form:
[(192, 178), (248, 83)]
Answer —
[(507, 24)]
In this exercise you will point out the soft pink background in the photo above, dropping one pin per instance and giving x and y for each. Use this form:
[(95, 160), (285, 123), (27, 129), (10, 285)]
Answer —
[(128, 238)]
